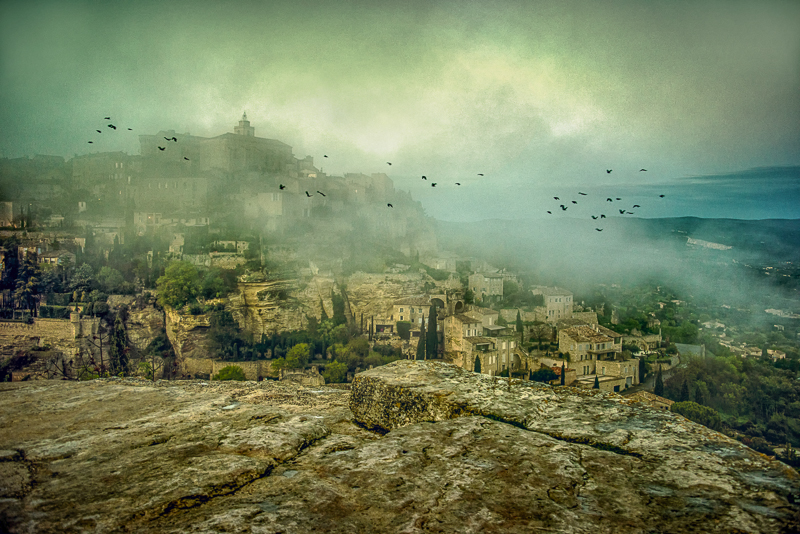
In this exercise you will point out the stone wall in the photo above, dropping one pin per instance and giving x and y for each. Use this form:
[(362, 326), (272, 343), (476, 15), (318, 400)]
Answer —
[(59, 334), (200, 367)]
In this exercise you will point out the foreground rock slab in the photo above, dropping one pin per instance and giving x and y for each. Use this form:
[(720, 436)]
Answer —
[(668, 473)]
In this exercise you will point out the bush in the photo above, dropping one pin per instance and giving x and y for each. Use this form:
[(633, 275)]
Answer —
[(404, 330), (543, 375), (54, 312), (699, 414), (335, 372), (231, 372)]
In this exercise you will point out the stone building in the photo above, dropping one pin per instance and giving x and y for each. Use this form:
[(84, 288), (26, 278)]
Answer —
[(557, 302), (486, 285)]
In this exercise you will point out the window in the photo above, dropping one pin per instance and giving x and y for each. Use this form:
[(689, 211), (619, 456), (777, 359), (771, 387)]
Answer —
[(401, 310), (604, 371), (401, 317)]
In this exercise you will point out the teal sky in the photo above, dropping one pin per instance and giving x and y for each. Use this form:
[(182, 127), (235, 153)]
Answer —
[(531, 94)]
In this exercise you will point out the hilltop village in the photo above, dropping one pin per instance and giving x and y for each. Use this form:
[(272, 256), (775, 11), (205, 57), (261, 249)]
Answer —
[(229, 258)]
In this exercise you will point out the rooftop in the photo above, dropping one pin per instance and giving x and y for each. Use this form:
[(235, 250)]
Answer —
[(585, 334)]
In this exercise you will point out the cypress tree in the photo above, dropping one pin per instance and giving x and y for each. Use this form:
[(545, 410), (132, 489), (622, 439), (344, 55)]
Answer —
[(118, 350), (519, 324), (684, 392), (698, 396), (422, 341), (432, 345), (563, 372), (659, 387), (596, 383)]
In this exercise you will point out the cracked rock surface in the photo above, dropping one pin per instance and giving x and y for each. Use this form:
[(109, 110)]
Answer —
[(414, 447)]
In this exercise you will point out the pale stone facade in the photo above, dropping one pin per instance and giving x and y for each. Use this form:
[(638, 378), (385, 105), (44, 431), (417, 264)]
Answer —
[(557, 302), (486, 285)]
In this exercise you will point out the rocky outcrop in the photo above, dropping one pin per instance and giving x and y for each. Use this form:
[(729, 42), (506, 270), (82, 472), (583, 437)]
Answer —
[(450, 451), (143, 326), (188, 334), (374, 294)]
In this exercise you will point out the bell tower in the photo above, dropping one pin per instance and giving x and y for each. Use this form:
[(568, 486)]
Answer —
[(244, 127)]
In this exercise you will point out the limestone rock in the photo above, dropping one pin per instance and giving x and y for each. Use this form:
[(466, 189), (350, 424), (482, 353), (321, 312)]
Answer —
[(143, 326), (188, 334)]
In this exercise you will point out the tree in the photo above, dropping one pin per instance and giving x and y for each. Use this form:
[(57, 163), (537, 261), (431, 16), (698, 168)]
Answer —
[(469, 297), (563, 373), (684, 396), (519, 324), (596, 383), (110, 280), (81, 279), (422, 341), (179, 285), (298, 356), (545, 374), (659, 386), (404, 330), (118, 349), (335, 372), (642, 369), (432, 345), (27, 284), (540, 331), (230, 372), (699, 414)]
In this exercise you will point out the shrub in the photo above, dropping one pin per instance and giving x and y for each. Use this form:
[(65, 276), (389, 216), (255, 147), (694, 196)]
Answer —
[(543, 375), (699, 414), (404, 329), (335, 372), (231, 372)]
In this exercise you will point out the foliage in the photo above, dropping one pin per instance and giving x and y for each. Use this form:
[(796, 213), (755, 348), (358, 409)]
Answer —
[(422, 342), (432, 340), (110, 280), (82, 278), (544, 374), (118, 349), (519, 322), (658, 389), (403, 329), (230, 372), (469, 297), (338, 310), (335, 372), (699, 414), (179, 285), (298, 356), (54, 312)]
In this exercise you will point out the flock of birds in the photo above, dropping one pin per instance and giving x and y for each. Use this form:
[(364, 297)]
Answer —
[(563, 207)]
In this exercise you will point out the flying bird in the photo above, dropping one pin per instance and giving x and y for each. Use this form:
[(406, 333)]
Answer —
[(388, 162), (107, 118), (166, 139), (629, 212), (556, 198), (321, 193), (162, 148), (99, 131), (130, 129), (184, 157), (91, 141), (594, 216), (636, 206), (480, 174), (550, 212), (602, 216), (173, 139), (660, 196), (574, 201), (309, 196), (458, 183), (563, 207), (608, 171), (324, 155), (424, 177), (584, 194), (390, 205), (112, 126), (599, 229), (640, 170), (622, 212), (433, 184), (619, 199), (282, 186)]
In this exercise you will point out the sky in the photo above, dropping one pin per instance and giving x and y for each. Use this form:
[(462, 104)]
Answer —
[(539, 97)]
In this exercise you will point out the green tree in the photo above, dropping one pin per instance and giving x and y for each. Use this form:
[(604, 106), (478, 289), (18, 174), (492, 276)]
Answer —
[(563, 373), (469, 297), (404, 329), (230, 372), (659, 386), (519, 324), (432, 344), (27, 284), (335, 372), (298, 356), (110, 280), (82, 278), (545, 374), (422, 341), (596, 383), (684, 396), (179, 285), (118, 348), (699, 414)]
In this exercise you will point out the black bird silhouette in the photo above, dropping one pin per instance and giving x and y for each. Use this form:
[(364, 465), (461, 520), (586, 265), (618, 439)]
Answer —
[(660, 196), (574, 201), (433, 184), (99, 131), (388, 162), (309, 196), (556, 198), (321, 193), (640, 170), (184, 157), (424, 177), (130, 129), (458, 183), (173, 139), (599, 229), (619, 199), (636, 206), (594, 216), (563, 207), (324, 155), (629, 212), (480, 174), (112, 126), (166, 139), (550, 212), (609, 200), (162, 148), (622, 212), (608, 171), (390, 205), (107, 118), (91, 141), (602, 216), (584, 194), (282, 186)]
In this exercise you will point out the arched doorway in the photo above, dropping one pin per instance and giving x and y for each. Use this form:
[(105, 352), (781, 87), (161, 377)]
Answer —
[(477, 364), (516, 362), (459, 307)]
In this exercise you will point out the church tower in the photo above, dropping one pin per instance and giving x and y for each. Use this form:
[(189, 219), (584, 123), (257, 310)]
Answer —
[(244, 127)]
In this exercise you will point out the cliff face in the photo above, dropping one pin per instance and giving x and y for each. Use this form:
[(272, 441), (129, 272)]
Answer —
[(455, 452), (188, 335)]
